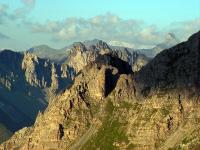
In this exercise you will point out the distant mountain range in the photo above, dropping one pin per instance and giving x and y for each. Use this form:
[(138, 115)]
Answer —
[(86, 52), (60, 55)]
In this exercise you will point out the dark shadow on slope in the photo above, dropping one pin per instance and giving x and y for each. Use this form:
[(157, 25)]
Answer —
[(174, 68), (111, 77)]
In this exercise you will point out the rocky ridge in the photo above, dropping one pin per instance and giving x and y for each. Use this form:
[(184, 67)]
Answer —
[(79, 54)]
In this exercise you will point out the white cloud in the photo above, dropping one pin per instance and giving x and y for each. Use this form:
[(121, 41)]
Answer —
[(29, 2), (184, 29), (108, 27), (24, 10)]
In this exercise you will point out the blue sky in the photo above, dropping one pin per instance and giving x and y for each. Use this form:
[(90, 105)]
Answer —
[(142, 23)]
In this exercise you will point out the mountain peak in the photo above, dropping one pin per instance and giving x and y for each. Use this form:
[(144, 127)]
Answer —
[(78, 46)]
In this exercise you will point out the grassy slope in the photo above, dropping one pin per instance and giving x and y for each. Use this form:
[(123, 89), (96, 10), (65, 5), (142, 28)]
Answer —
[(111, 131)]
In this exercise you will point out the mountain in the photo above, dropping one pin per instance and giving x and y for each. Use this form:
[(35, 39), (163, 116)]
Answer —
[(111, 107), (81, 53), (121, 44), (31, 80), (174, 68), (46, 52), (170, 40), (26, 85)]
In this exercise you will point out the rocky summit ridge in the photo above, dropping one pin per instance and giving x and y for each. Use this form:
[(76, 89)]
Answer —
[(79, 54), (109, 106)]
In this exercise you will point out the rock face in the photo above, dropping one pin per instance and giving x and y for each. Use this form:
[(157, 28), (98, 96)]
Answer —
[(110, 107), (26, 84)]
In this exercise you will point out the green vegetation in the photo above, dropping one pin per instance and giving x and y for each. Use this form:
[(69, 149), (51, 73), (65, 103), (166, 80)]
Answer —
[(125, 105), (166, 110), (185, 141), (112, 131)]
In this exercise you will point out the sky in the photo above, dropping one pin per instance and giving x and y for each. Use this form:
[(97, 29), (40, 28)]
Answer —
[(139, 24)]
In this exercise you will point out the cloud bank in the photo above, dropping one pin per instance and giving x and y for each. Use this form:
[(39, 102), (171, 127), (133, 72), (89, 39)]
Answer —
[(111, 27)]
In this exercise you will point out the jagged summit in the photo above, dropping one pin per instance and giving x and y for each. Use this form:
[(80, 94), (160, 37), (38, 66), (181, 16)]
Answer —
[(78, 46), (89, 48), (95, 45), (171, 37), (96, 42)]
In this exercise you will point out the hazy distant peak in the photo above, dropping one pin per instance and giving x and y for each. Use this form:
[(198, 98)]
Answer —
[(121, 44), (172, 37), (100, 44)]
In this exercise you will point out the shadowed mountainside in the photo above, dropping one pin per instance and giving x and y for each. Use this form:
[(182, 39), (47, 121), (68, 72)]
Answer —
[(26, 84)]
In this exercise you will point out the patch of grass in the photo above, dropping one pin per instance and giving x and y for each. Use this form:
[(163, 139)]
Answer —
[(136, 106), (185, 141), (149, 113), (165, 110), (109, 107), (110, 132), (131, 146), (126, 105)]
